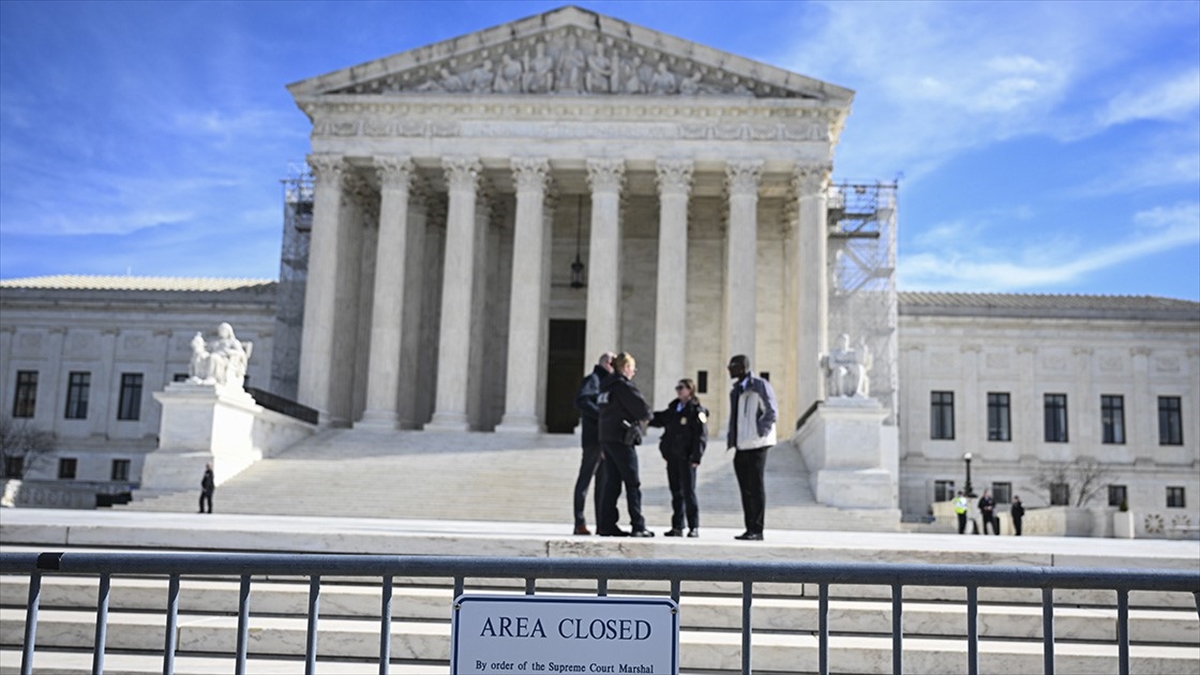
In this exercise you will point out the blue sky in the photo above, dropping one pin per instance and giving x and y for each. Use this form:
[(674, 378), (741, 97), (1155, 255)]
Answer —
[(1042, 147)]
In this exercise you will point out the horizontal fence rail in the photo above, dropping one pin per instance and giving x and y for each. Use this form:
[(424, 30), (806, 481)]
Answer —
[(244, 566)]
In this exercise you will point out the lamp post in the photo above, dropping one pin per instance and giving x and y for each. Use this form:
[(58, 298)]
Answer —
[(967, 490)]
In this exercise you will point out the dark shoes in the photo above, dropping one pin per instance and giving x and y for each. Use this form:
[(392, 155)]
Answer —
[(613, 533), (641, 533), (673, 533), (750, 536), (694, 532), (582, 529)]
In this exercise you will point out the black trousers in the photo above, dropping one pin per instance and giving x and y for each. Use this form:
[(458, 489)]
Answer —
[(962, 522), (621, 470), (992, 522), (681, 477), (1017, 526), (206, 496), (750, 467), (588, 463)]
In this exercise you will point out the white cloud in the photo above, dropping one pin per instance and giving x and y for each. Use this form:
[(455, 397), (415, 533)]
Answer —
[(1051, 261), (1176, 97)]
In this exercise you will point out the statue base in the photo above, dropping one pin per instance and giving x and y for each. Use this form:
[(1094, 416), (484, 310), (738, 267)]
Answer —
[(201, 423), (852, 458)]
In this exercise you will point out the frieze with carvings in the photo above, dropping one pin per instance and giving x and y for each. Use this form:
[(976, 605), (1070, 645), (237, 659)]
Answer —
[(572, 62)]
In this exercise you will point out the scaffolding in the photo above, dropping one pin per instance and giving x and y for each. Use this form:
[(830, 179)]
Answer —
[(862, 279)]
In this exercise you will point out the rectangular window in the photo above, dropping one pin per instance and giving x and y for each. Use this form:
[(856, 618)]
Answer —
[(78, 384), (1056, 418), (999, 417), (1060, 494), (1170, 421), (1175, 498), (179, 377), (130, 404), (14, 467), (25, 398), (943, 490), (941, 415), (1118, 495), (1002, 493), (66, 468), (1112, 419), (120, 469)]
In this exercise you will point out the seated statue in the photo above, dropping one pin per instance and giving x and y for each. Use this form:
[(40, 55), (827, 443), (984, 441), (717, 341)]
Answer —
[(846, 369), (222, 361)]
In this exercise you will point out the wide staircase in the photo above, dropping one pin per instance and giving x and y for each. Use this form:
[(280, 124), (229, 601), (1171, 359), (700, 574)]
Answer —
[(495, 477)]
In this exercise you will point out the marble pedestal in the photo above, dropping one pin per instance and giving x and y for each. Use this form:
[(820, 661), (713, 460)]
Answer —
[(852, 458), (201, 423)]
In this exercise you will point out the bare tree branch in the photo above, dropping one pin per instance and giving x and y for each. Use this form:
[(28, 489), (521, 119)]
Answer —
[(21, 440)]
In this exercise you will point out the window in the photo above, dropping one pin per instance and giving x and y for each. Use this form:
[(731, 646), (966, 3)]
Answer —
[(943, 490), (66, 468), (120, 469), (1170, 421), (999, 417), (1112, 419), (702, 382), (1060, 494), (1056, 418), (941, 415), (25, 399), (130, 405), (179, 377), (1118, 495), (78, 384), (1175, 498), (1002, 493), (14, 467)]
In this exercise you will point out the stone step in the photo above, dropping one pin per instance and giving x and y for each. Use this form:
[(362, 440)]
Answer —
[(275, 637), (699, 609), (364, 473)]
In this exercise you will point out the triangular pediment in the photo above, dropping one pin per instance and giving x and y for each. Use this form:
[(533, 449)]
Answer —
[(569, 52)]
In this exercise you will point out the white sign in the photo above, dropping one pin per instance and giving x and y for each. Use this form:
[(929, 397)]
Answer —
[(564, 634)]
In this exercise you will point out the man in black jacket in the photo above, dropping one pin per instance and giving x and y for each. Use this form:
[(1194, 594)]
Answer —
[(623, 415), (593, 454)]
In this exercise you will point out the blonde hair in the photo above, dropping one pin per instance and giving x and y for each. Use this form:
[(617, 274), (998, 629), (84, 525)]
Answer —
[(621, 360)]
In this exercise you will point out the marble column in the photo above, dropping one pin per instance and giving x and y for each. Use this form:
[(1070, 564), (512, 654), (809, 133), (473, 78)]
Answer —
[(605, 177), (454, 338), (387, 312), (670, 310), (741, 259), (415, 269), (811, 183), (526, 317), (316, 340)]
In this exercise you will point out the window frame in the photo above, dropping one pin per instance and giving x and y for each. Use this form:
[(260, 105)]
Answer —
[(1112, 419), (25, 395), (1176, 497), (941, 415), (1118, 494), (79, 384), (1060, 494), (68, 468), (120, 470), (946, 487), (129, 399), (1170, 420), (999, 405), (1002, 492), (1055, 418)]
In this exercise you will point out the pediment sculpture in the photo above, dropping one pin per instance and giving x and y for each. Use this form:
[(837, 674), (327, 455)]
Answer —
[(221, 361), (847, 371), (571, 61)]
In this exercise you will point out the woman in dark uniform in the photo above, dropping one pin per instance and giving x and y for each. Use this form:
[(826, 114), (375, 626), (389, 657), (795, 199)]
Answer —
[(685, 435)]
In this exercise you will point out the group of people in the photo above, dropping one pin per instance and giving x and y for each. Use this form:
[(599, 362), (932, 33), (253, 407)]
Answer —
[(614, 416), (987, 512)]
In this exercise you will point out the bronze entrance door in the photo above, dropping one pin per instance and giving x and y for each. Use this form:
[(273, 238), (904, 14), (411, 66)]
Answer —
[(564, 372)]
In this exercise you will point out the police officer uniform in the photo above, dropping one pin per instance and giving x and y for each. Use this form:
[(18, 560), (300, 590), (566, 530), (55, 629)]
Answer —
[(685, 436)]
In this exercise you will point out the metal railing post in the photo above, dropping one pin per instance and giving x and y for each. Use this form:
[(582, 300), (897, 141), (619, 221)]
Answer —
[(823, 629), (314, 613), (31, 619), (1123, 631), (385, 626), (101, 624), (170, 637), (897, 629), (1048, 631), (243, 629), (972, 630), (747, 596)]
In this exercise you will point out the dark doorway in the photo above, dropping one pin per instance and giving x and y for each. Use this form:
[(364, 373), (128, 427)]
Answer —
[(563, 374)]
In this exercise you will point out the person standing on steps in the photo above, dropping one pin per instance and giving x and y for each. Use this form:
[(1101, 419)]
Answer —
[(752, 414), (1017, 511), (593, 454), (987, 510), (623, 414), (961, 506), (207, 487), (685, 435)]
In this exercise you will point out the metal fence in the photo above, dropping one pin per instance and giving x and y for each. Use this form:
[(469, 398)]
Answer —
[(246, 565)]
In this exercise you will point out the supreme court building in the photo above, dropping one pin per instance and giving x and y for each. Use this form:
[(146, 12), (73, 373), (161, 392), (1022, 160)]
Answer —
[(456, 185)]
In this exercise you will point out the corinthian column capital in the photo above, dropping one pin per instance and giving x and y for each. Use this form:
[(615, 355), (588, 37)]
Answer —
[(606, 175), (462, 173), (812, 179), (742, 176), (394, 171), (531, 174), (327, 168), (674, 176)]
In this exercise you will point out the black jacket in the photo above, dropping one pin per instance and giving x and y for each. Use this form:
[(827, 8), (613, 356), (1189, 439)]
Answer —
[(685, 432), (589, 411), (621, 406)]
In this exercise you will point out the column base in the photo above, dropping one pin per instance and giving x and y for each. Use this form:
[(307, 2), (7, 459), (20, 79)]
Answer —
[(380, 420), (519, 424), (448, 422)]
